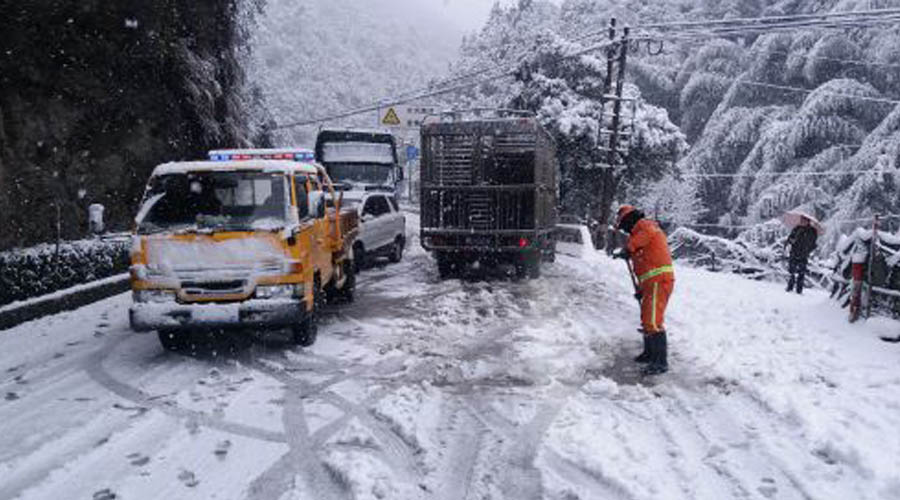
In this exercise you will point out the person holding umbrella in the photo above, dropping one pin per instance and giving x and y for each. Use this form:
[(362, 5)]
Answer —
[(802, 241)]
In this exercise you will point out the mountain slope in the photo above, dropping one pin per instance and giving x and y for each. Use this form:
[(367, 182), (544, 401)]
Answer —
[(322, 56)]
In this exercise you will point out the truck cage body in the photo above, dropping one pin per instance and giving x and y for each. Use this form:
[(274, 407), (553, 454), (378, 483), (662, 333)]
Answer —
[(488, 185)]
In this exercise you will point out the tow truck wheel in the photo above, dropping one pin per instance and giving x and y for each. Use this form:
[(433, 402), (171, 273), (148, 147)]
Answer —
[(397, 250), (305, 333), (350, 282), (359, 257), (173, 340), (344, 294)]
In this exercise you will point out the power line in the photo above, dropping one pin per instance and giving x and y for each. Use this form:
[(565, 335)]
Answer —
[(782, 174), (753, 25), (784, 27), (834, 59), (409, 97), (760, 224), (768, 19), (738, 80), (819, 90)]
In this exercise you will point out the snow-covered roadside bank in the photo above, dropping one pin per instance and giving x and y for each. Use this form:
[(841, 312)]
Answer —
[(61, 300), (770, 395), (798, 357)]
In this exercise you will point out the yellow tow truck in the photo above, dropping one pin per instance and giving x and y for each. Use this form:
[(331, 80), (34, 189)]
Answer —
[(239, 242)]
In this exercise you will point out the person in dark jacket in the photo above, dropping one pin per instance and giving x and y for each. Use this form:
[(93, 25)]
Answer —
[(802, 241)]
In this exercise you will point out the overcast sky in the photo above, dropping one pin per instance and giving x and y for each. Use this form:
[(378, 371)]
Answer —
[(467, 14)]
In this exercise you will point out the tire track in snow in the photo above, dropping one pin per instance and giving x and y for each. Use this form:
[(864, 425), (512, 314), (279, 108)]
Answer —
[(301, 460), (751, 450), (595, 482), (461, 443), (97, 372)]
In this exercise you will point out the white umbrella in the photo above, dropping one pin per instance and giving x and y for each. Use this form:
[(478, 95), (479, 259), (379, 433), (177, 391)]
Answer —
[(792, 219)]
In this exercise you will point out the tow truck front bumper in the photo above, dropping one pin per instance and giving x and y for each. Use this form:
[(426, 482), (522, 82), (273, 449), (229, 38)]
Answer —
[(254, 313)]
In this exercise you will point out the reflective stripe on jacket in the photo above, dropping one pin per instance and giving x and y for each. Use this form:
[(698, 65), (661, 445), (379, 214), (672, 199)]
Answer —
[(650, 252)]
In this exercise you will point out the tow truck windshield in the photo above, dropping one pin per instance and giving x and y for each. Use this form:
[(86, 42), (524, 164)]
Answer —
[(214, 201)]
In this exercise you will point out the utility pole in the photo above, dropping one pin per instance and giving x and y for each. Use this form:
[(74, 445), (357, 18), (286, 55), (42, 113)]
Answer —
[(615, 130), (613, 154)]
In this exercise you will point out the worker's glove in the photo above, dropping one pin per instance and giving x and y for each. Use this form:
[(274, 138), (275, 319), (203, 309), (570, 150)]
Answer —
[(621, 253), (639, 296)]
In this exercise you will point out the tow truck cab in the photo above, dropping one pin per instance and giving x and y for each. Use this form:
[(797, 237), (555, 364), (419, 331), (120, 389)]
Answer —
[(237, 242), (360, 160)]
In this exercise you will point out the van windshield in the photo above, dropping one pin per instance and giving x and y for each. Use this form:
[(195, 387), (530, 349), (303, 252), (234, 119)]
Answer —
[(214, 201)]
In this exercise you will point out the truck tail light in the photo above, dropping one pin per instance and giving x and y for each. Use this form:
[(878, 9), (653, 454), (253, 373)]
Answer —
[(295, 267), (523, 242)]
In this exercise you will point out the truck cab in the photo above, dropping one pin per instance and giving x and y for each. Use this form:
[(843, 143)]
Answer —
[(237, 243), (360, 160)]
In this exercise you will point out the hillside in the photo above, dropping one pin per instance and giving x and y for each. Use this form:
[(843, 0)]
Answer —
[(774, 121), (317, 57), (94, 94)]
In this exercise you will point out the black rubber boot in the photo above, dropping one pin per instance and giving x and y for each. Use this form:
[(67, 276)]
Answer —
[(644, 356), (659, 363), (790, 284)]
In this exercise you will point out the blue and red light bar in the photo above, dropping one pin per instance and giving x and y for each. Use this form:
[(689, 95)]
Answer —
[(263, 154)]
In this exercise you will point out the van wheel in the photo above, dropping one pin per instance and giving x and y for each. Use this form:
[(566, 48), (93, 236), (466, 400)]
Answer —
[(304, 334), (174, 340), (396, 250)]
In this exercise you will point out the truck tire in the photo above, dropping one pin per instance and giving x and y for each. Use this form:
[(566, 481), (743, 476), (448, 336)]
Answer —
[(533, 266), (397, 250), (446, 267), (528, 266), (304, 334), (174, 340)]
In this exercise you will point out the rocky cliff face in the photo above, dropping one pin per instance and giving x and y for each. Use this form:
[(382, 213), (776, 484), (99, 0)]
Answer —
[(93, 94)]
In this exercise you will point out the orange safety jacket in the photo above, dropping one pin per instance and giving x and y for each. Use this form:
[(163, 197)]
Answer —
[(649, 251)]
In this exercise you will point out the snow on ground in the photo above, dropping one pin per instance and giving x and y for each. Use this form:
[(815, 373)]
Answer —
[(465, 389)]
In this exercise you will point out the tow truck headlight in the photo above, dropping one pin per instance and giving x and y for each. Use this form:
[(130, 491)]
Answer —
[(276, 291), (153, 296)]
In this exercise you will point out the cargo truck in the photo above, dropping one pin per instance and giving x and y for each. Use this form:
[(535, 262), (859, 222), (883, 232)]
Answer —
[(489, 191)]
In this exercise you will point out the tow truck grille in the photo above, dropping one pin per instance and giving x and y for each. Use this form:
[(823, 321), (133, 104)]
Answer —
[(213, 287)]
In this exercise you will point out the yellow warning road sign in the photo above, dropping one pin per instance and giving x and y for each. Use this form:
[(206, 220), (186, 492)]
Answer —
[(390, 118)]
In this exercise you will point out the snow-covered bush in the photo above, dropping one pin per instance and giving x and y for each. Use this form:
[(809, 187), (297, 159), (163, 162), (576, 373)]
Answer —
[(716, 253), (35, 271)]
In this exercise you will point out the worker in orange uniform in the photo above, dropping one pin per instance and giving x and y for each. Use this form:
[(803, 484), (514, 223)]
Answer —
[(648, 249)]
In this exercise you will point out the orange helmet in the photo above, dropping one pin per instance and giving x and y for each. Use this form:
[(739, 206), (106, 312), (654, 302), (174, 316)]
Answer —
[(623, 211)]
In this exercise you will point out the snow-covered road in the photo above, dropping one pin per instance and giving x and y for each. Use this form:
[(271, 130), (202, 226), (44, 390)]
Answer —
[(425, 389)]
